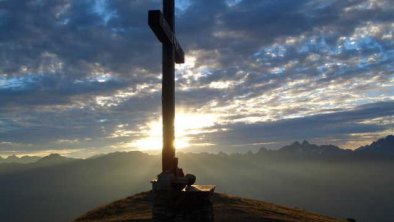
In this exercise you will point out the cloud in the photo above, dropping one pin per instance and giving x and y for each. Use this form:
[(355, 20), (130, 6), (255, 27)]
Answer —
[(75, 70), (331, 125)]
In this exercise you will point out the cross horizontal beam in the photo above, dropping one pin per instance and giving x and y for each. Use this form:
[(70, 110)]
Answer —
[(163, 32)]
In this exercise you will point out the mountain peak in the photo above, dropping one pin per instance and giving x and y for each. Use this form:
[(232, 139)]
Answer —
[(296, 143), (227, 208), (383, 145), (307, 149), (54, 158), (12, 157)]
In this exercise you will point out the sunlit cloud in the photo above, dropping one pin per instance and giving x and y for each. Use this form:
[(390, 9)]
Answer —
[(181, 6), (232, 3), (370, 5), (221, 84), (100, 7)]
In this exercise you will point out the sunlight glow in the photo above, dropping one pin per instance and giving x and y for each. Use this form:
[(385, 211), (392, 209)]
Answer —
[(187, 127)]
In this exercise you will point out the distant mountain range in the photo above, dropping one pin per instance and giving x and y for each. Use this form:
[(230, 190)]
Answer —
[(307, 149), (383, 146), (321, 178), (23, 159), (379, 148)]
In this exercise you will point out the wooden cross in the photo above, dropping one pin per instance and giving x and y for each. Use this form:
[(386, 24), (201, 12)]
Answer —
[(164, 28)]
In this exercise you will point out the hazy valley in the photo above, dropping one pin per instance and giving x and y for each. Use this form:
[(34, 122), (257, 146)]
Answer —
[(324, 179)]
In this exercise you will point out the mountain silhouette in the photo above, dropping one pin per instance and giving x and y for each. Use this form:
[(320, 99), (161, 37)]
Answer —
[(24, 159), (307, 149), (53, 159), (381, 146)]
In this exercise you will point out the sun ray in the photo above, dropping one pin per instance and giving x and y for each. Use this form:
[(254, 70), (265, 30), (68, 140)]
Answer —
[(188, 126)]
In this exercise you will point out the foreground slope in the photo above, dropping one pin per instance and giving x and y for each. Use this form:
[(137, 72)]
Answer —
[(227, 209)]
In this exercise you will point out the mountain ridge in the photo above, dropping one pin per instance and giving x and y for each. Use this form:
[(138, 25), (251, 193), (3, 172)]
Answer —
[(380, 147), (383, 145)]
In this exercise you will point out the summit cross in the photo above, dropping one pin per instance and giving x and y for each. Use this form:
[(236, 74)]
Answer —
[(174, 193), (163, 25)]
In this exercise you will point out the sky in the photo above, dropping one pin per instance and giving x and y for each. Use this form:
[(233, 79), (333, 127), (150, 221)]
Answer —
[(83, 77)]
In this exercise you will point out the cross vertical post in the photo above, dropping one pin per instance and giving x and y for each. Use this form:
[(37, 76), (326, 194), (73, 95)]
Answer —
[(168, 93), (164, 28)]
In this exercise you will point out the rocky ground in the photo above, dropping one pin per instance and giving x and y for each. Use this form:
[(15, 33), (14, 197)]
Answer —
[(227, 209)]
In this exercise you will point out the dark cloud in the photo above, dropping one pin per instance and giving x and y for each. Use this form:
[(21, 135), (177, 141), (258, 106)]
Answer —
[(328, 125), (53, 90), (75, 33)]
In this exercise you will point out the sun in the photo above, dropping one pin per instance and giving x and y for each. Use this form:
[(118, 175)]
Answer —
[(188, 126)]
